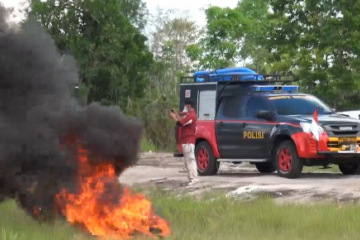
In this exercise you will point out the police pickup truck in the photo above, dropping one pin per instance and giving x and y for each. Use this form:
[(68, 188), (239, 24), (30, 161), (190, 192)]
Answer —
[(246, 117)]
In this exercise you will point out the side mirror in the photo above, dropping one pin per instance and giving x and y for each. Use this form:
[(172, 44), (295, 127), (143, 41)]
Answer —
[(267, 115)]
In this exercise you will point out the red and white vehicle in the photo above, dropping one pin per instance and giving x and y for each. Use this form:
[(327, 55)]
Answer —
[(269, 124)]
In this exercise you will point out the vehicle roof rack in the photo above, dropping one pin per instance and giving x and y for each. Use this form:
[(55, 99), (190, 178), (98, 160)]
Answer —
[(238, 78)]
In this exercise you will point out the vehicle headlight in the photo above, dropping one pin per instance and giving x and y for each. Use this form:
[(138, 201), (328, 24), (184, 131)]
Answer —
[(307, 128)]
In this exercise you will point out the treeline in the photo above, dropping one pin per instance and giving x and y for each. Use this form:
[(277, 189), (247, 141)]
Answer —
[(134, 60)]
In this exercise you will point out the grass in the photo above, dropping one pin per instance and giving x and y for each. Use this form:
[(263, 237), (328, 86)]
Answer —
[(210, 219), (16, 225), (147, 145)]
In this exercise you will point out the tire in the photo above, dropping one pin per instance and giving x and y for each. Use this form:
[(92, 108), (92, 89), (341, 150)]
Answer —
[(207, 164), (288, 164), (265, 167), (349, 168)]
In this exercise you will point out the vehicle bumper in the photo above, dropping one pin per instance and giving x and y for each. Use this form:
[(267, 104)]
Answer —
[(340, 153), (307, 147)]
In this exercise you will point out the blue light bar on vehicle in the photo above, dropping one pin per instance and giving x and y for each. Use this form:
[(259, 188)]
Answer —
[(269, 88)]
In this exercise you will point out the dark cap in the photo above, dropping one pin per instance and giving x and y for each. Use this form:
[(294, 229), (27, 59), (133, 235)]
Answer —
[(188, 101)]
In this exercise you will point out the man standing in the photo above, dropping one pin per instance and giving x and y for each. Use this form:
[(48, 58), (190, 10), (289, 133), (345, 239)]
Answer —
[(187, 139), (182, 115)]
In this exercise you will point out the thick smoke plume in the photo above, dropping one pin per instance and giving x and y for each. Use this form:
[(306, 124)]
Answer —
[(41, 121)]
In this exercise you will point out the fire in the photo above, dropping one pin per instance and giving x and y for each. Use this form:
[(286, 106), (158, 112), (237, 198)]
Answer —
[(95, 208)]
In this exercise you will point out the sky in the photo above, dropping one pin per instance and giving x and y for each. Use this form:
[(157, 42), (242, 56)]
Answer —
[(192, 6)]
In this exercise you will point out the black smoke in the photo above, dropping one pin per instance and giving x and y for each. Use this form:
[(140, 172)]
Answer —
[(40, 117)]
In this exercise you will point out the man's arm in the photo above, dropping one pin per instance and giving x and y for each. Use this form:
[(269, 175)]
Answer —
[(181, 121), (181, 114), (175, 116)]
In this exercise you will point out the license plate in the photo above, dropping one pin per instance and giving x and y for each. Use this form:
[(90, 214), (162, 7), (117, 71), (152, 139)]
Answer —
[(347, 139), (353, 147)]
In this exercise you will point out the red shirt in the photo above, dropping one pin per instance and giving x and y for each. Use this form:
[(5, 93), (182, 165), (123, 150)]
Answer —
[(188, 128)]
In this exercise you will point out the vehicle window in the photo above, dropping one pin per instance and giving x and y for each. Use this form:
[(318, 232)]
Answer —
[(254, 105), (298, 105), (232, 107)]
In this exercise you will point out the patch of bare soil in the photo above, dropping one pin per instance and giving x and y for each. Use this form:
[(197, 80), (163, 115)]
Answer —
[(163, 171)]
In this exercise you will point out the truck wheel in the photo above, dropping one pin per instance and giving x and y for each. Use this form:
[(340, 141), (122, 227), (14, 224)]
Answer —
[(265, 167), (349, 168), (206, 162), (288, 163)]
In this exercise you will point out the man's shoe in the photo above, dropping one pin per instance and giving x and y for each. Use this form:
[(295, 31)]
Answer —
[(193, 182)]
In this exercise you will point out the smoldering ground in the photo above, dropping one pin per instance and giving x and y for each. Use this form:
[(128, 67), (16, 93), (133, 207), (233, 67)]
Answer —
[(40, 119)]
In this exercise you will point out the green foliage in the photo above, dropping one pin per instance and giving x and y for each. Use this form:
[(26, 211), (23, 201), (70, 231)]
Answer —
[(234, 36), (319, 41), (111, 52), (170, 38), (159, 129), (253, 47), (135, 11), (147, 146), (218, 47)]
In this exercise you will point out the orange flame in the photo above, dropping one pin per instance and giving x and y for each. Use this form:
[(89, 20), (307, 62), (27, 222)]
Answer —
[(120, 218)]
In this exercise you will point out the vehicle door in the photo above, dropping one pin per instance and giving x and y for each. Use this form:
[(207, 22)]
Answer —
[(256, 131), (229, 128)]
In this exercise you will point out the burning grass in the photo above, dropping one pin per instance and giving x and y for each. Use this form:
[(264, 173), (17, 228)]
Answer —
[(103, 208), (216, 219)]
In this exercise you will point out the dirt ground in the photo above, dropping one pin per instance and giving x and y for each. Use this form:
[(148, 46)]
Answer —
[(163, 170)]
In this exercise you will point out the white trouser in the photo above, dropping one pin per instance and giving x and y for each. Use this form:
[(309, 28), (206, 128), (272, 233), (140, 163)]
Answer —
[(190, 162)]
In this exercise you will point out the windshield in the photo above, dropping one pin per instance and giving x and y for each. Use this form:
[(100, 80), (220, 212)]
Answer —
[(298, 105)]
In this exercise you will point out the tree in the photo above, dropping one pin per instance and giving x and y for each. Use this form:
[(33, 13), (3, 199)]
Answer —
[(135, 11), (171, 36), (319, 41), (233, 36), (101, 34), (223, 36), (170, 32), (254, 51)]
